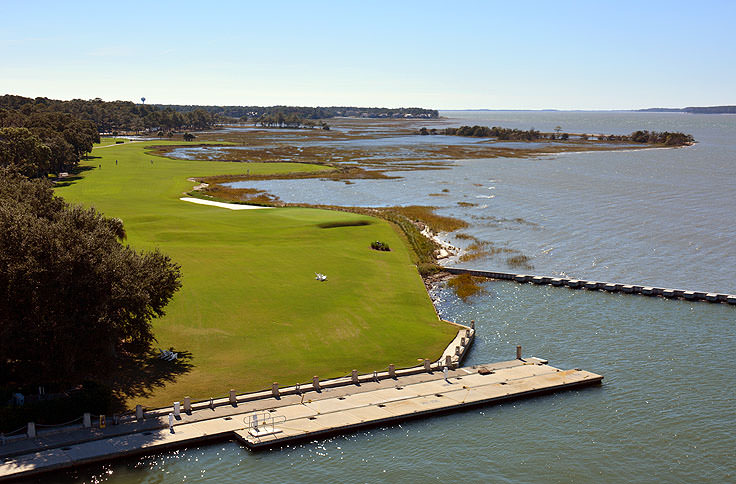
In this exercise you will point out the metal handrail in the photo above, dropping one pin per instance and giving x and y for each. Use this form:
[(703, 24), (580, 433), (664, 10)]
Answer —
[(263, 419)]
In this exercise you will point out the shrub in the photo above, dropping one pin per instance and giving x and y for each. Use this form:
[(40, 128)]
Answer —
[(428, 268), (378, 245)]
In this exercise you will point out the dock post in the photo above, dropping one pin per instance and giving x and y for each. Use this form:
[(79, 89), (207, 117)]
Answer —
[(275, 390), (233, 400), (472, 324), (188, 405), (448, 361), (462, 341), (315, 382), (354, 376), (391, 371), (212, 403), (427, 365), (177, 409), (139, 412), (31, 430), (467, 333), (518, 352), (87, 420), (457, 350)]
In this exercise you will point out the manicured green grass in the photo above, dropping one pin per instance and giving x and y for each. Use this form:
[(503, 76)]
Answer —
[(250, 310), (108, 140)]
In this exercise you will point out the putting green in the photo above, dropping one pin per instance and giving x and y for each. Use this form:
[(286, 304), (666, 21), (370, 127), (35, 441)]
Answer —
[(250, 311)]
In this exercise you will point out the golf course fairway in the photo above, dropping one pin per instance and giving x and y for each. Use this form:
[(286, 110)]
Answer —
[(250, 311)]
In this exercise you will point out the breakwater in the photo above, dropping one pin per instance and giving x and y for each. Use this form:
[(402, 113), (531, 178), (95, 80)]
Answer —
[(711, 297)]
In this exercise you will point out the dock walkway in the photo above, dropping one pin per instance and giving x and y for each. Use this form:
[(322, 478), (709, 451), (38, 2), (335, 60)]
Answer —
[(313, 413)]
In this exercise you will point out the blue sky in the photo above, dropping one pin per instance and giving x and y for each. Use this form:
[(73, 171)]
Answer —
[(497, 55)]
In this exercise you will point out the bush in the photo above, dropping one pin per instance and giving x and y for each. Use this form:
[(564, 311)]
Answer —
[(378, 245)]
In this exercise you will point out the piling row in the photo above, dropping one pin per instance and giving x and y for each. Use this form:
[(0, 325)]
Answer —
[(711, 297)]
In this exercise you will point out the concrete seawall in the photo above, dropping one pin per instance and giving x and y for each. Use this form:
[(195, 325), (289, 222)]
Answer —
[(711, 297)]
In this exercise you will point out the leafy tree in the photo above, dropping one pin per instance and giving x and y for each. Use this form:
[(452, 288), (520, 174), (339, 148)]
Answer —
[(24, 152), (73, 299), (188, 136)]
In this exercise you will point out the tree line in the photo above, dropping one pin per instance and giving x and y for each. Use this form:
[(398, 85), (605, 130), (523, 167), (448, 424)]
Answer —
[(116, 116), (694, 110), (666, 138), (280, 119), (254, 112), (75, 301), (493, 132), (36, 142)]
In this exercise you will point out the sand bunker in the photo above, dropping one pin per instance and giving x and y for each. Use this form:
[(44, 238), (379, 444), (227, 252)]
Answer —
[(231, 206)]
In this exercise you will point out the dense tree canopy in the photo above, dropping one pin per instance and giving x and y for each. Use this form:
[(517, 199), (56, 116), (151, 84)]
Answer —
[(494, 132), (642, 136), (42, 142), (115, 116), (24, 152), (279, 119), (73, 298)]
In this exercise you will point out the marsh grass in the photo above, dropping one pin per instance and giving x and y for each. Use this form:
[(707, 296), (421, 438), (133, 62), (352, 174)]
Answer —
[(426, 214), (519, 261), (241, 195), (466, 286)]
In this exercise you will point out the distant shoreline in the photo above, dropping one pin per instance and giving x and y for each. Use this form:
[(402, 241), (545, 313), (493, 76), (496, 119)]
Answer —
[(689, 110)]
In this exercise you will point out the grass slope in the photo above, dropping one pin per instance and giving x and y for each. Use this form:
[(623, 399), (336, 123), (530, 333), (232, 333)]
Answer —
[(250, 310)]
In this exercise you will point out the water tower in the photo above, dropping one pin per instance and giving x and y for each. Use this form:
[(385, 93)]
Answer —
[(143, 100)]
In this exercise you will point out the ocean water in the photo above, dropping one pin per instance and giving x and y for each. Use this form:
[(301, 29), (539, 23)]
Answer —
[(665, 411)]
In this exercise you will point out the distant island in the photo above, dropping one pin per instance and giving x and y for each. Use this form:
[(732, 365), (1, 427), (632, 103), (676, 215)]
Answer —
[(693, 110), (665, 138)]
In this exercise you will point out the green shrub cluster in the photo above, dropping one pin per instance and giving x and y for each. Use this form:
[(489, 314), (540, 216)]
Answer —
[(378, 245)]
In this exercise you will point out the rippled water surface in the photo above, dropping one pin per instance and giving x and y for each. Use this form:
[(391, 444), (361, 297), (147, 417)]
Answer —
[(661, 217), (665, 412)]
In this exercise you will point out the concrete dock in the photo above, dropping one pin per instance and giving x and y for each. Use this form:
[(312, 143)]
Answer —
[(275, 419), (712, 297)]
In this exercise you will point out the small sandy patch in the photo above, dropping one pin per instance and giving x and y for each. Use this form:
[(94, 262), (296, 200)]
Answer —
[(231, 206)]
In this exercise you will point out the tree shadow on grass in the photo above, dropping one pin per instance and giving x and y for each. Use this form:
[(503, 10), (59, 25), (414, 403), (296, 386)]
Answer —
[(75, 174), (141, 376)]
